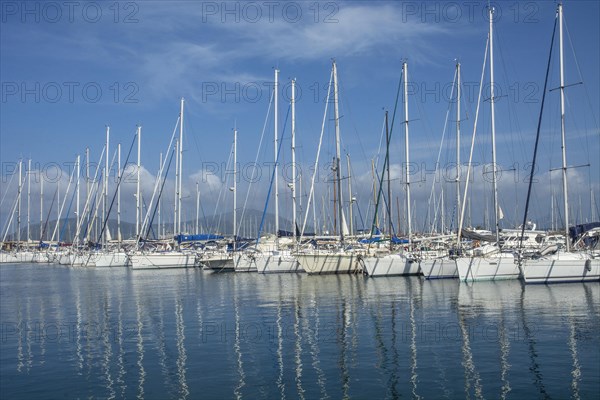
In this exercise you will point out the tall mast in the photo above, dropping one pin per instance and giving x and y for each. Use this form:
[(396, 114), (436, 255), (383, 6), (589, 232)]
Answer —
[(87, 173), (176, 191), (337, 150), (19, 204), (57, 228), (41, 205), (562, 125), (351, 201), (234, 187), (389, 190), (180, 187), (105, 201), (119, 194), (137, 192), (28, 200), (197, 207), (160, 163), (493, 117), (276, 95), (293, 101), (457, 145), (78, 172), (408, 215)]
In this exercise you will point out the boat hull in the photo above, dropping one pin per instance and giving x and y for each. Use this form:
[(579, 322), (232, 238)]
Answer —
[(118, 259), (218, 263), (267, 263), (161, 260), (438, 268), (322, 263), (491, 268), (390, 265), (548, 270)]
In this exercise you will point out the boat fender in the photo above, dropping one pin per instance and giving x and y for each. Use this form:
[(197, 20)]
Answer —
[(588, 265)]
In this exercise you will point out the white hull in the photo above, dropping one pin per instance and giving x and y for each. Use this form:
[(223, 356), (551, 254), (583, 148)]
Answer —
[(389, 265), (218, 263), (267, 263), (18, 257), (328, 263), (494, 267), (438, 268), (161, 260), (561, 268), (116, 259), (75, 260)]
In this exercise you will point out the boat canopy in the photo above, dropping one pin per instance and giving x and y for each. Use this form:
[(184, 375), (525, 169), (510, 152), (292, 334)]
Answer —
[(197, 238)]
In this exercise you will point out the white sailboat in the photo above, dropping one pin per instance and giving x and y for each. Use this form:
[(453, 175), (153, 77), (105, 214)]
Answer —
[(275, 256), (170, 257), (493, 265), (339, 261), (564, 265), (391, 263)]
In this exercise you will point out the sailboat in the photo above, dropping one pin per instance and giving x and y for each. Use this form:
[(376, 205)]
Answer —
[(568, 264), (271, 256), (489, 262), (394, 263), (169, 255), (340, 260), (222, 260)]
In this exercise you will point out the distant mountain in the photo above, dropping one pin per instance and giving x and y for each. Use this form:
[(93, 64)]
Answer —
[(248, 224)]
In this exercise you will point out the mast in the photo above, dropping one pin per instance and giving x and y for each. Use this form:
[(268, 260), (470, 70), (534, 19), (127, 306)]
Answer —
[(457, 145), (351, 202), (78, 172), (28, 200), (197, 207), (105, 200), (293, 101), (87, 173), (176, 191), (389, 190), (119, 194), (407, 177), (41, 206), (337, 150), (160, 163), (137, 193), (19, 205), (493, 117), (276, 95), (562, 125), (57, 228), (234, 187), (180, 187)]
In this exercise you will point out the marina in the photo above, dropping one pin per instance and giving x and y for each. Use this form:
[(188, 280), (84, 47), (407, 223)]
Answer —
[(348, 232)]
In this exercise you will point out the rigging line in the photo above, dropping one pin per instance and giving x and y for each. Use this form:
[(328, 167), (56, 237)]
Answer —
[(48, 216), (158, 179), (160, 194), (221, 194), (537, 138), (579, 72), (316, 164), (437, 163), (262, 221), (117, 188), (7, 187), (258, 151), (386, 160), (464, 202)]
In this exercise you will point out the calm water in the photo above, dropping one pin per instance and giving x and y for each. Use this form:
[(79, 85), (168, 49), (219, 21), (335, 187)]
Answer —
[(117, 333)]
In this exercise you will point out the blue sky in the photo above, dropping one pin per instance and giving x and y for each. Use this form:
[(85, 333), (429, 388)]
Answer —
[(67, 71)]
